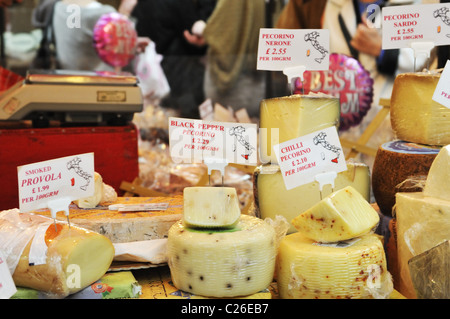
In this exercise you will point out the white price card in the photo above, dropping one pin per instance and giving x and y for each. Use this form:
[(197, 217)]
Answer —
[(7, 286), (442, 91), (279, 49), (193, 141), (404, 25), (70, 177), (303, 158)]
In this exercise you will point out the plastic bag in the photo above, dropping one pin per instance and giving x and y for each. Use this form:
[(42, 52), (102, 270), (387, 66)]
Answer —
[(152, 80)]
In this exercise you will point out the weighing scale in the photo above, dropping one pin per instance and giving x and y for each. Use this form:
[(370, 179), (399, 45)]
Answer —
[(72, 97)]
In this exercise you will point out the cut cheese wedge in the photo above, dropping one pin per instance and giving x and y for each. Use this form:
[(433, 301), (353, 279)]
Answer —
[(222, 263), (73, 257), (422, 222), (94, 200), (343, 215), (272, 198), (289, 117), (438, 179), (210, 207), (415, 116), (344, 270)]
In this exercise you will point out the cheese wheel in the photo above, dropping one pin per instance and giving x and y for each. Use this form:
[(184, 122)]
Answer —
[(271, 197), (288, 117), (210, 206), (344, 270), (421, 223), (222, 263), (123, 227), (396, 162), (438, 180), (415, 116), (71, 258), (342, 215)]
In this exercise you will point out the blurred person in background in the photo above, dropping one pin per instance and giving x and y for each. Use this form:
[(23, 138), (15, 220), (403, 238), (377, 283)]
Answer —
[(231, 35), (164, 22)]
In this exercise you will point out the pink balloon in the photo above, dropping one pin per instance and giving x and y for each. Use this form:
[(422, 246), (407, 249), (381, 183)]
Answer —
[(347, 79), (115, 39)]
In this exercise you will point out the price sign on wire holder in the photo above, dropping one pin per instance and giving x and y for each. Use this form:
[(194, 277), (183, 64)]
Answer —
[(420, 27), (293, 51), (54, 184)]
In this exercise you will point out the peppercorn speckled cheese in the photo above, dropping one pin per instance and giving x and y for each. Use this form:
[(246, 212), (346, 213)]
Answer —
[(272, 198), (342, 215), (222, 263), (288, 117), (210, 206), (345, 270)]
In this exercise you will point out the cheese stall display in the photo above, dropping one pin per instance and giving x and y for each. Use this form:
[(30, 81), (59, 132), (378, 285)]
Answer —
[(324, 237)]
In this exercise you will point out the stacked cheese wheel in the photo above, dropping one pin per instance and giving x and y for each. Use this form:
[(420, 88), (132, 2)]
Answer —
[(421, 126), (335, 253), (423, 222), (288, 117), (214, 251), (400, 166)]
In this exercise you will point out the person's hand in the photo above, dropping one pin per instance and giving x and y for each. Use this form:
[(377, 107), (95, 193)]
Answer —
[(367, 40), (194, 39), (142, 43), (126, 7)]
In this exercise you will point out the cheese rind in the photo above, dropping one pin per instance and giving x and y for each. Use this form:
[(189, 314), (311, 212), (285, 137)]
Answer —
[(74, 258), (222, 263), (398, 163), (309, 270), (343, 215), (438, 179), (210, 206), (123, 227), (289, 117), (272, 198), (422, 222), (415, 117)]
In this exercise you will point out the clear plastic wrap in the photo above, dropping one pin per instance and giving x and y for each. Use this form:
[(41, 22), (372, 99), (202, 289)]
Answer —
[(430, 272), (52, 258), (415, 117), (422, 223), (353, 269), (289, 117)]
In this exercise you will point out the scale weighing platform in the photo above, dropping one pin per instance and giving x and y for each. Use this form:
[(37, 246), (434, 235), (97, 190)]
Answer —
[(72, 97), (54, 114)]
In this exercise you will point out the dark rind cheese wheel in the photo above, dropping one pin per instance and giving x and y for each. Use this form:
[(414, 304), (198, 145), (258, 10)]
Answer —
[(395, 162)]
